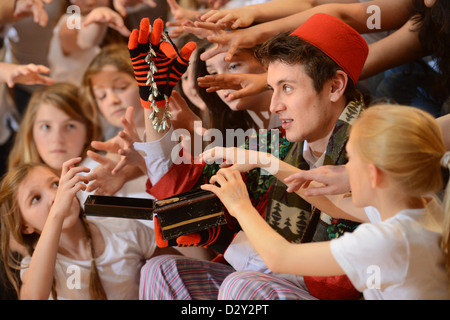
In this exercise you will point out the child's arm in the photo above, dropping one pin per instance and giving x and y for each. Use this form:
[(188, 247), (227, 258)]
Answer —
[(37, 280), (92, 31), (312, 259), (337, 206), (262, 12)]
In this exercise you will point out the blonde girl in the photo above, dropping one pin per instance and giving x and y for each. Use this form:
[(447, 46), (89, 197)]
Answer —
[(395, 155), (109, 88), (40, 211), (54, 129)]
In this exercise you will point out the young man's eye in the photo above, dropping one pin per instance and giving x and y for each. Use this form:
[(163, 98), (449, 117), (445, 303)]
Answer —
[(286, 88)]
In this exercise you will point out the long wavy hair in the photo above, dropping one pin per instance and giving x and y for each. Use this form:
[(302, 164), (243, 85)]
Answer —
[(11, 230), (63, 96)]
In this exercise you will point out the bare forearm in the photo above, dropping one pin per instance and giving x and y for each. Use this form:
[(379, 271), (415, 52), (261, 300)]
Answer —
[(395, 13), (331, 205), (38, 279), (281, 256), (7, 11), (277, 9)]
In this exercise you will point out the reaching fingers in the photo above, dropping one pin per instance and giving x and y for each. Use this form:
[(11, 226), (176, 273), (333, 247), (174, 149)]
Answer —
[(104, 161)]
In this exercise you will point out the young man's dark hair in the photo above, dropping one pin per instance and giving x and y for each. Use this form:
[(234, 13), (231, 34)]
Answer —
[(293, 50)]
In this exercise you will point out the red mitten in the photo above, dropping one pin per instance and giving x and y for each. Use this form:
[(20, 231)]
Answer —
[(158, 66)]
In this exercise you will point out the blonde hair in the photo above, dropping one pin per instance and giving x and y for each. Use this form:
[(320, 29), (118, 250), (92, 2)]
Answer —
[(407, 144), (116, 55), (63, 96), (12, 225)]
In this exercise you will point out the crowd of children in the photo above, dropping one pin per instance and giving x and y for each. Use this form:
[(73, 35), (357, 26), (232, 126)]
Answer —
[(324, 130)]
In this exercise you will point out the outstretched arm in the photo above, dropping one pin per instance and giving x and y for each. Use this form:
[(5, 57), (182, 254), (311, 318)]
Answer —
[(311, 259), (337, 206), (394, 15)]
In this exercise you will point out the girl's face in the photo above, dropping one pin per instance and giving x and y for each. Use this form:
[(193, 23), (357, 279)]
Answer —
[(57, 136), (188, 84), (242, 62), (114, 91), (87, 6), (359, 177), (35, 196)]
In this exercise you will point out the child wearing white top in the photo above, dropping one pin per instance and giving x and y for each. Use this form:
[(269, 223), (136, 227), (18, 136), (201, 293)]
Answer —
[(395, 157)]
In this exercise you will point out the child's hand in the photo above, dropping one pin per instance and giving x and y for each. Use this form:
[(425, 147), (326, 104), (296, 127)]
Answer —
[(241, 159), (36, 8), (70, 183), (126, 139), (332, 180), (170, 65), (121, 5), (230, 18), (109, 17), (232, 191), (25, 74)]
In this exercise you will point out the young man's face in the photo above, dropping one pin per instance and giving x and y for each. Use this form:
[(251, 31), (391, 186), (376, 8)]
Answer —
[(304, 112)]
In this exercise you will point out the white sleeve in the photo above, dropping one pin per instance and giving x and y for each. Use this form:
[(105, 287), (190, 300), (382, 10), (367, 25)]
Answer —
[(158, 159), (372, 247)]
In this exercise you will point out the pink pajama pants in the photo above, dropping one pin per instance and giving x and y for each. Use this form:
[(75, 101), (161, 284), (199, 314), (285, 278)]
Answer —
[(181, 278)]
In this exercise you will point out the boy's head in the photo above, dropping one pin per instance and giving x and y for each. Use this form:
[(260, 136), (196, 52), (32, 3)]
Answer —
[(322, 45), (312, 73)]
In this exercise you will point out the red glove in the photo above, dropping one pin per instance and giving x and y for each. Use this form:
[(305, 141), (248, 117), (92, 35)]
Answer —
[(158, 66)]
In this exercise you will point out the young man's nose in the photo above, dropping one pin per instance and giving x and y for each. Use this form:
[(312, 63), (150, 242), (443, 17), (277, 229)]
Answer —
[(276, 104)]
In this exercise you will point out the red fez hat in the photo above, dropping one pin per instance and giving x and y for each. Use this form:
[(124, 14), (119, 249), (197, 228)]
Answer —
[(337, 40)]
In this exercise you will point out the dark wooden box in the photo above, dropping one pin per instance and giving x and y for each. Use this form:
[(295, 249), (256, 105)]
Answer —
[(178, 215)]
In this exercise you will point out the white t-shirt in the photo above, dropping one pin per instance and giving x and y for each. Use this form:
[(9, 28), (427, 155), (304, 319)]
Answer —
[(399, 258), (128, 244)]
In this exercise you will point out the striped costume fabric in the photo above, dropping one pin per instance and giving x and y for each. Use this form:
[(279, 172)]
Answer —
[(179, 278)]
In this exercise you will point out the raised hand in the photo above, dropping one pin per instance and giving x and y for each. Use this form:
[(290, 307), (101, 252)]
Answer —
[(245, 84), (26, 74), (225, 41), (121, 5), (333, 181), (109, 17), (70, 183), (240, 159), (230, 18), (158, 66)]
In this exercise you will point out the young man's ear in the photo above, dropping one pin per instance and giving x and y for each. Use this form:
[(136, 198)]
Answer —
[(338, 85)]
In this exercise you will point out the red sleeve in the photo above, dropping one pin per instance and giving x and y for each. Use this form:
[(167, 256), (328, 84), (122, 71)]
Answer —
[(180, 178)]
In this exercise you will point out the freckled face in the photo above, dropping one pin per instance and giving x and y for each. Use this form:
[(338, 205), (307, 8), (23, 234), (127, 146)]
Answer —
[(57, 136), (114, 92)]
